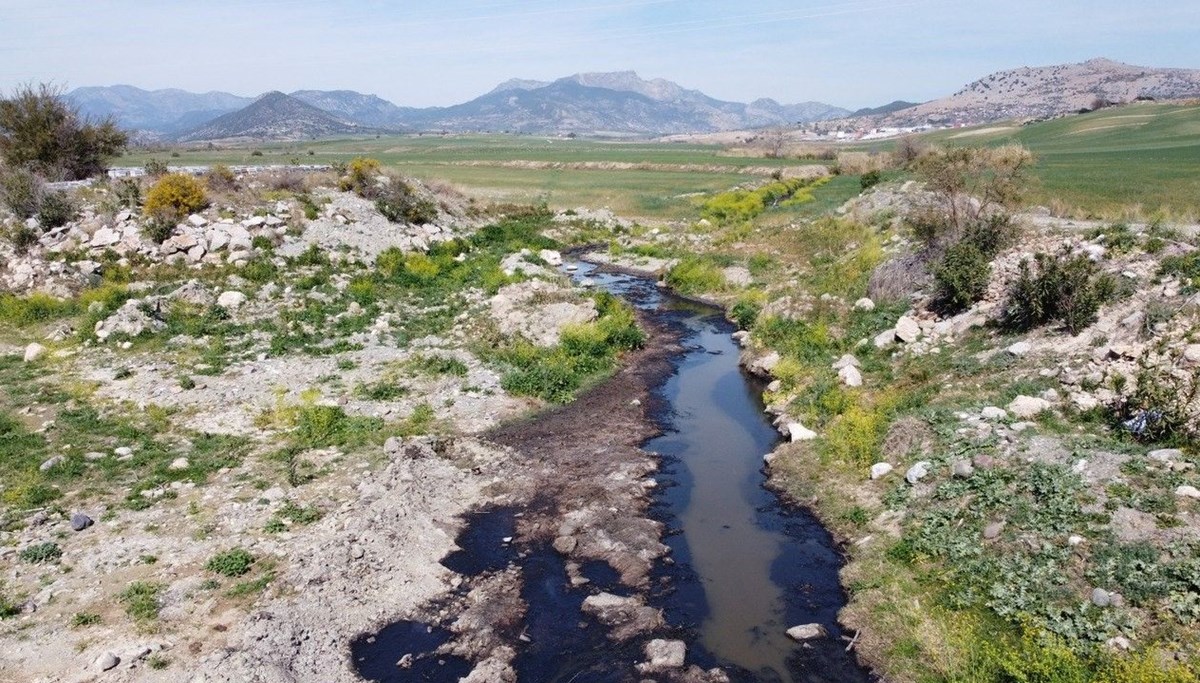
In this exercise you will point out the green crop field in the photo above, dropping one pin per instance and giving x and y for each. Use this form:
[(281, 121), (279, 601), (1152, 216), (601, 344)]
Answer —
[(1142, 156)]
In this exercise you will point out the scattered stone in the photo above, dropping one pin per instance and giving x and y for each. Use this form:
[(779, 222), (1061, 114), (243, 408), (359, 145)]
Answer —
[(107, 661), (34, 352), (881, 469), (993, 413), (628, 616), (105, 237), (846, 361), (907, 330), (737, 276), (798, 432), (1074, 540), (1191, 354), (992, 531), (764, 364), (1100, 597), (179, 464), (962, 468), (197, 220), (983, 461), (1028, 406), (231, 300), (850, 376), (807, 632), (52, 463), (885, 339), (1084, 401), (1186, 491), (663, 654), (1118, 643), (551, 257), (123, 451), (80, 521), (917, 472), (864, 304), (1165, 454), (1020, 348)]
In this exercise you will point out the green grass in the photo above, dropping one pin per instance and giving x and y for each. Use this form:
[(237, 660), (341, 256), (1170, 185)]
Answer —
[(141, 600), (1141, 154)]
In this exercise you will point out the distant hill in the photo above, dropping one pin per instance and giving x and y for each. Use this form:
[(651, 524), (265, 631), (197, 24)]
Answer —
[(159, 111), (885, 109), (348, 105), (1045, 91), (274, 116)]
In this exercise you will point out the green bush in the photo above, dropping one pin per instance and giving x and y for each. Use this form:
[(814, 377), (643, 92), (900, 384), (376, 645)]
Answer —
[(960, 278), (41, 553), (173, 197), (8, 607), (21, 191), (156, 169), (128, 193), (141, 600), (1068, 289), (57, 209), (870, 179), (42, 132), (220, 178), (23, 237), (360, 177), (695, 275), (233, 562), (398, 203)]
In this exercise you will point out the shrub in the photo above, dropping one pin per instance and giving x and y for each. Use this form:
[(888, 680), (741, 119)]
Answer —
[(1066, 288), (220, 178), (156, 169), (21, 191), (234, 562), (57, 210), (400, 204), (8, 607), (128, 193), (41, 132), (173, 197), (360, 177), (23, 237), (85, 619), (961, 278), (41, 553), (870, 179), (695, 275), (141, 600), (158, 229)]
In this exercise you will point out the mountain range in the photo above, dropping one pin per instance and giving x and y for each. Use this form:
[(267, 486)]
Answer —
[(617, 102)]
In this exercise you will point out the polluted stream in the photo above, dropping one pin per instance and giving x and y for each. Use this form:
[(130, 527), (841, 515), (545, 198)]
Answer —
[(743, 566)]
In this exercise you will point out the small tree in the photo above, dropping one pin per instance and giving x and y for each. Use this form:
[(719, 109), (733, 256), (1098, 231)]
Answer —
[(972, 184), (41, 132)]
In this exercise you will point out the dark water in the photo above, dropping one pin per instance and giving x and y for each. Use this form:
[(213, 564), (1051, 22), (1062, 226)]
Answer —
[(744, 567)]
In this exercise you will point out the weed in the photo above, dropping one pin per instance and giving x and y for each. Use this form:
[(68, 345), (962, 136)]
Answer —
[(141, 600), (233, 562), (41, 553), (82, 619)]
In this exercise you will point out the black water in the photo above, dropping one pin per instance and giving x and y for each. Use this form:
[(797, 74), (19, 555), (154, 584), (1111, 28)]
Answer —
[(744, 568)]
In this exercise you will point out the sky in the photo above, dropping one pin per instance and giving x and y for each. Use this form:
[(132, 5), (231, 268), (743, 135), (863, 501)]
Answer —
[(851, 53)]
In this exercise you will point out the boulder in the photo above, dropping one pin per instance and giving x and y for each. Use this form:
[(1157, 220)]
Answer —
[(197, 220), (51, 463), (217, 240), (850, 376), (962, 469), (1191, 354), (1165, 454), (864, 304), (992, 531), (1026, 407), (907, 330), (880, 470), (764, 364), (885, 339), (133, 318), (627, 616), (917, 472), (993, 413), (34, 352), (1101, 598), (663, 654), (846, 361), (1020, 348), (551, 257), (231, 300), (80, 521), (104, 237), (1187, 492), (798, 432), (179, 464), (107, 661), (805, 632)]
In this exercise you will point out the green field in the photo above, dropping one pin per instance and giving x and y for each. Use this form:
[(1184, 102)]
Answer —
[(1144, 157), (1132, 161)]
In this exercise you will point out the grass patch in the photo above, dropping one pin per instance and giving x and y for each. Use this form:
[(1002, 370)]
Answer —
[(233, 562), (142, 601)]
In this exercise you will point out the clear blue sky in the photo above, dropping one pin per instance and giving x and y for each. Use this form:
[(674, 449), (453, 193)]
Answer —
[(845, 52)]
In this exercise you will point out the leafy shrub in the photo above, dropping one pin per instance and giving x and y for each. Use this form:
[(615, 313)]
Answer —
[(41, 553), (158, 228), (220, 178), (360, 177), (156, 169), (21, 191), (1066, 288), (174, 196), (42, 132), (23, 237), (439, 366), (85, 619), (398, 203), (961, 278), (744, 312), (695, 275), (870, 179), (8, 607), (233, 562), (128, 193), (57, 209), (141, 600)]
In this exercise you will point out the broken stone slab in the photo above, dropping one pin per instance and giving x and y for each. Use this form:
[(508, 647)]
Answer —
[(231, 299), (105, 237), (663, 654), (1028, 406), (798, 432), (846, 361), (907, 330), (850, 376)]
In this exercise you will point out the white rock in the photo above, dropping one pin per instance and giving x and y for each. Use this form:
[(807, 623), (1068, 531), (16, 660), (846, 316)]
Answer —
[(917, 472), (798, 432), (180, 464), (217, 240), (846, 361), (231, 299), (737, 276), (664, 654), (1028, 406), (993, 413), (907, 330), (1020, 348), (1074, 540), (105, 237), (1165, 454), (1191, 354), (850, 376), (551, 257), (197, 220), (1084, 401), (1187, 492), (107, 661), (34, 351), (885, 339), (880, 470), (807, 632), (864, 304)]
